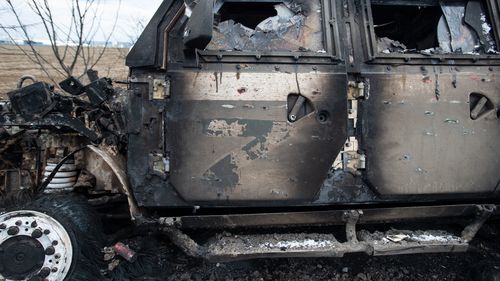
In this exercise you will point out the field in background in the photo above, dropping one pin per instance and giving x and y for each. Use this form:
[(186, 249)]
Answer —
[(14, 64)]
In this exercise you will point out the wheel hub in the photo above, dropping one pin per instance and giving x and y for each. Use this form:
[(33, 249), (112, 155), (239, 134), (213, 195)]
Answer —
[(33, 246), (21, 256)]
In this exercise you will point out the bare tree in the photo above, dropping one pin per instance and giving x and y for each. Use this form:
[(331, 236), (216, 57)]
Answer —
[(133, 34), (70, 42)]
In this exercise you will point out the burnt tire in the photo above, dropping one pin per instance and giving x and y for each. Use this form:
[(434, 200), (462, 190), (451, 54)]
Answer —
[(57, 237)]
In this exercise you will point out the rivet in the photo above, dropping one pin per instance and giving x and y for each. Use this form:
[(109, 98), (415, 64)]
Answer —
[(36, 233), (13, 230), (50, 251), (44, 272)]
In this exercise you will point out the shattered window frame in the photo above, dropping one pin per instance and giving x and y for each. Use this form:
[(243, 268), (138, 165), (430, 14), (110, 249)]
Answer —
[(331, 44), (376, 57)]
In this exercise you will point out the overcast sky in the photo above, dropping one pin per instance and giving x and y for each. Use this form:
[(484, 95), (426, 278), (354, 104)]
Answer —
[(131, 12)]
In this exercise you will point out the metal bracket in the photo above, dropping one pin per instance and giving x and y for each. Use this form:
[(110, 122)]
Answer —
[(350, 159), (181, 240), (356, 90), (351, 218), (483, 214), (161, 89)]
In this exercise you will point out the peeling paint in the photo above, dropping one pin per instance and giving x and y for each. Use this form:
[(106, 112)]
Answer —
[(221, 128)]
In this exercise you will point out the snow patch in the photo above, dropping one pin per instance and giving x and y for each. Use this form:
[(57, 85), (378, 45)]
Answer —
[(433, 238), (309, 243)]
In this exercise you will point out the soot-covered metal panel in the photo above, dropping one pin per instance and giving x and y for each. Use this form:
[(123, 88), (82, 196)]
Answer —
[(420, 138), (232, 141)]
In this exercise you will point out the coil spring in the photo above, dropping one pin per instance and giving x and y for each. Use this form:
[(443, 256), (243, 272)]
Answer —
[(65, 178)]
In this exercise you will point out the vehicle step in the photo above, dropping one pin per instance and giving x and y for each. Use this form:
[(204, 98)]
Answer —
[(227, 247)]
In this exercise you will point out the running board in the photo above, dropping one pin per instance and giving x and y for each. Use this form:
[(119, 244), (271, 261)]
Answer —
[(227, 247), (231, 248)]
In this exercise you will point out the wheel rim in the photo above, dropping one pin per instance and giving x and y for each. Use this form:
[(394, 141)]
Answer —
[(33, 246)]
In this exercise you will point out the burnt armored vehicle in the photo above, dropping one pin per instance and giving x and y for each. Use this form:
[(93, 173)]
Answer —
[(261, 118)]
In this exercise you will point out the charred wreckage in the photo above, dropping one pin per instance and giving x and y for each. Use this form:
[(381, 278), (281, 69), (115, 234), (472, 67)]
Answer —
[(348, 120)]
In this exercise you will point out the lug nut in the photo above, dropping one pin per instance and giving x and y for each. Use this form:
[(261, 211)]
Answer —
[(54, 269), (13, 230), (34, 224), (50, 251), (44, 272), (55, 243), (18, 223), (3, 226), (37, 233), (46, 232)]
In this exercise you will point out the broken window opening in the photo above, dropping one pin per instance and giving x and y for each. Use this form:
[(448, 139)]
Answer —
[(248, 14), (450, 27), (290, 25)]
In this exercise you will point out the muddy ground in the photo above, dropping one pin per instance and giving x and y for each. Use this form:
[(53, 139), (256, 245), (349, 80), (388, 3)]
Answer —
[(166, 263)]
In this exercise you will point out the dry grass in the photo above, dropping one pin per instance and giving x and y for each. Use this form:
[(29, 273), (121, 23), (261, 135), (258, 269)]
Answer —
[(14, 64)]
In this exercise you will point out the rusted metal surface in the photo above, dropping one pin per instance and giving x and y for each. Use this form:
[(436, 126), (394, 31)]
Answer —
[(483, 213), (118, 169), (227, 247)]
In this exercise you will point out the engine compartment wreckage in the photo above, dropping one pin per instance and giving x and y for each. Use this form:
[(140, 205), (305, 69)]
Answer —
[(363, 115)]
